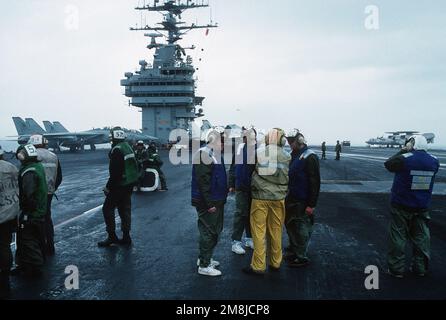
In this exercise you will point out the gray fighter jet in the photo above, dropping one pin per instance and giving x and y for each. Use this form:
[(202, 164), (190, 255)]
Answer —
[(58, 136)]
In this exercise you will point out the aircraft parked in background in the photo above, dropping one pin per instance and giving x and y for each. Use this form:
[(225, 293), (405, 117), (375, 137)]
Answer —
[(58, 136), (398, 139)]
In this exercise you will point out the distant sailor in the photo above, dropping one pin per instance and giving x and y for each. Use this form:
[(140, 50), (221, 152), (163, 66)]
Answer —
[(9, 210), (415, 170), (303, 194), (33, 197), (240, 182), (155, 162), (53, 174), (269, 188), (209, 193), (338, 150), (124, 175), (324, 150)]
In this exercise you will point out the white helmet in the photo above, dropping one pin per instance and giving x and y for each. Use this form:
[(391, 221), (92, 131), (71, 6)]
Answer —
[(37, 140), (117, 134), (296, 134), (419, 142), (212, 134)]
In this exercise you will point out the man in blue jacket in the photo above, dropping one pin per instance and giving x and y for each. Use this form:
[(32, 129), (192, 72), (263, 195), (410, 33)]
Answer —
[(240, 175), (415, 171), (304, 186), (209, 193)]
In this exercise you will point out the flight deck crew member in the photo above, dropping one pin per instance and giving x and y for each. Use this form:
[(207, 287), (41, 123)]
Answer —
[(324, 151), (269, 188), (415, 170), (9, 210), (240, 175), (209, 193), (53, 174), (301, 201), (124, 175), (156, 163), (338, 150), (33, 197)]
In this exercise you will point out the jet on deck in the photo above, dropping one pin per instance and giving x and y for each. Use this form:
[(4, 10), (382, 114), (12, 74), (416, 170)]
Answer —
[(58, 136)]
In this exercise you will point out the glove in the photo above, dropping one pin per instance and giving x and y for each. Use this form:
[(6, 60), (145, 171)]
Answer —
[(309, 211)]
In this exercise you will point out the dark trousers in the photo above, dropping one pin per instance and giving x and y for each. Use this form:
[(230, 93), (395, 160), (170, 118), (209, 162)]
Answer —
[(409, 227), (162, 178), (241, 215), (6, 231), (210, 225), (31, 244), (120, 199), (49, 228), (324, 155), (338, 155), (299, 226)]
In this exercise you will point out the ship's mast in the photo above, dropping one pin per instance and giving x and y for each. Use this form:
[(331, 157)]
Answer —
[(171, 23)]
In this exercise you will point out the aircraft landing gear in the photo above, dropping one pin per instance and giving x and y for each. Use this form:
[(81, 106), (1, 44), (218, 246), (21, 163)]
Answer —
[(92, 147)]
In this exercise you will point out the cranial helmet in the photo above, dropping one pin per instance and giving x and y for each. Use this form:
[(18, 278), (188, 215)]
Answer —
[(276, 136), (27, 152), (419, 142), (215, 134), (294, 135), (117, 134), (37, 140)]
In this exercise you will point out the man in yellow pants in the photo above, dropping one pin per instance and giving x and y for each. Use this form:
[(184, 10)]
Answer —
[(269, 188)]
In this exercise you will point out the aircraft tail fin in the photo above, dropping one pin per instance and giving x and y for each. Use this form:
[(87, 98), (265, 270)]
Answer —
[(58, 127), (34, 127), (20, 126), (49, 127)]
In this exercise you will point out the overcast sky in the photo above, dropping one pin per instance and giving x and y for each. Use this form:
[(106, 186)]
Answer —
[(310, 65)]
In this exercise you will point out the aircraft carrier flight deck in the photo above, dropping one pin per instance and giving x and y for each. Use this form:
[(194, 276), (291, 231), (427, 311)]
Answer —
[(350, 234)]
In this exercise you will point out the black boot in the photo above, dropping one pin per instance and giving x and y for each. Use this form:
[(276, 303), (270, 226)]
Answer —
[(111, 239), (126, 240), (5, 288)]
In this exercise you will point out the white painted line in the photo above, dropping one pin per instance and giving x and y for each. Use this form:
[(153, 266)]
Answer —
[(86, 213)]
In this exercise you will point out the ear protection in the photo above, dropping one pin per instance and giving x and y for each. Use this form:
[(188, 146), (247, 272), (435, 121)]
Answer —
[(277, 136), (410, 144)]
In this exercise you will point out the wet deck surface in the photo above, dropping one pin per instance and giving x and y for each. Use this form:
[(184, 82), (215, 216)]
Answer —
[(350, 234)]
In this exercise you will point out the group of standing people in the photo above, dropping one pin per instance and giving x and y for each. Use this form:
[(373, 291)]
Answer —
[(27, 195), (273, 189)]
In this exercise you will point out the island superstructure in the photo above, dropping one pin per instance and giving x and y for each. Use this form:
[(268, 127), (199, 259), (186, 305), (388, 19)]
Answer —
[(165, 88)]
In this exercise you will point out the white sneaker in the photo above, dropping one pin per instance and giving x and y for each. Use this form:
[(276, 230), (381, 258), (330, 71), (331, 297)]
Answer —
[(214, 263), (237, 247), (249, 243), (209, 271)]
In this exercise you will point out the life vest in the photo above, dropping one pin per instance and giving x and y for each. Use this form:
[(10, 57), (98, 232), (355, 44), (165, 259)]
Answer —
[(9, 192), (131, 168), (41, 192), (299, 183), (50, 164), (412, 187), (219, 183)]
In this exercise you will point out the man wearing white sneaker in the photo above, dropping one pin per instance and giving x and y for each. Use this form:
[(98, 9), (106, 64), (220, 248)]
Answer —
[(209, 193), (240, 182)]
